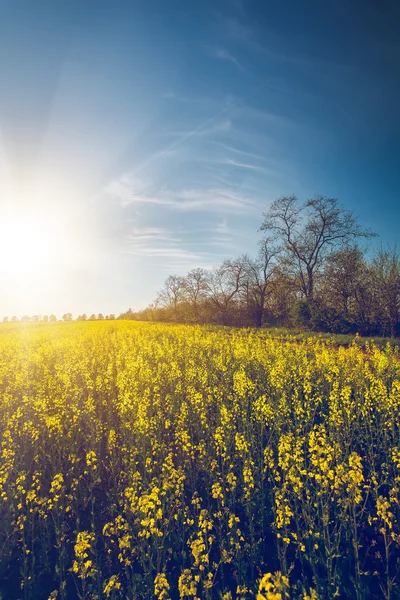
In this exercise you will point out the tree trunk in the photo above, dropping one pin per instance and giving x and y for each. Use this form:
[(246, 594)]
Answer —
[(310, 283), (258, 315)]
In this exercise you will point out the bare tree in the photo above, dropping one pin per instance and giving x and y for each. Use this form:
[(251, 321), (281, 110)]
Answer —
[(194, 289), (385, 271), (308, 232), (171, 293), (224, 283), (284, 295), (343, 275), (259, 279)]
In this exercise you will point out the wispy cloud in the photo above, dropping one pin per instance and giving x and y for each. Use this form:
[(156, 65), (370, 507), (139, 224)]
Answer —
[(165, 252), (211, 199), (262, 117), (279, 49), (161, 243), (241, 165), (213, 125), (141, 236), (129, 191), (221, 126), (224, 54), (224, 236), (237, 30), (239, 151), (222, 227), (171, 95)]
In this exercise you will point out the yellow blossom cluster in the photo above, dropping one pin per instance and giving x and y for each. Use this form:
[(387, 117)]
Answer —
[(147, 460)]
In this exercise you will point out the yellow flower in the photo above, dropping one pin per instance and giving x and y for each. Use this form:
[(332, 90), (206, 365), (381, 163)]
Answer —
[(111, 585), (161, 587)]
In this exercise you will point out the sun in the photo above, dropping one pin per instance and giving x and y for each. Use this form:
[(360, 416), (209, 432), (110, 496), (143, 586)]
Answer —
[(26, 248)]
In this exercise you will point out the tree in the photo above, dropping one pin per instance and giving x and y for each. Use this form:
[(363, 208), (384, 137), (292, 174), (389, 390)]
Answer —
[(343, 283), (194, 290), (259, 279), (82, 317), (14, 319), (171, 293), (92, 317), (284, 295), (100, 317), (45, 318), (224, 283), (385, 271), (53, 318), (128, 315), (67, 317), (5, 319), (308, 233)]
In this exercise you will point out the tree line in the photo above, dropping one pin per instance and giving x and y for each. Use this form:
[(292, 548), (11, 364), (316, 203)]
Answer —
[(310, 271), (53, 318)]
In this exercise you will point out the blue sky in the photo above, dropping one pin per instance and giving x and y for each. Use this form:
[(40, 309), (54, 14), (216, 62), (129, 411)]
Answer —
[(149, 136)]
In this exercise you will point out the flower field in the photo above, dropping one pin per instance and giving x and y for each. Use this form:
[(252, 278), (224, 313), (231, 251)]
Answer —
[(155, 461)]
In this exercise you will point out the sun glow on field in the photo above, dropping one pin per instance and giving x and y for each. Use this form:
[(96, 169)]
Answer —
[(27, 248)]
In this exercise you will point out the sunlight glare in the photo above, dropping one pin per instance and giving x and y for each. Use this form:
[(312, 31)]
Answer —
[(26, 248)]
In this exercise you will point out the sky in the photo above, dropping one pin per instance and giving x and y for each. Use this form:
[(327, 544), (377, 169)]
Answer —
[(144, 138)]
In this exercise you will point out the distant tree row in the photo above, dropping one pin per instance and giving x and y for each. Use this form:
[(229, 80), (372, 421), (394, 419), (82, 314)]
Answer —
[(53, 318), (98, 317), (309, 271)]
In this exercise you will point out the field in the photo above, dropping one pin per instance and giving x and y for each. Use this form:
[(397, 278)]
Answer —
[(155, 461)]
